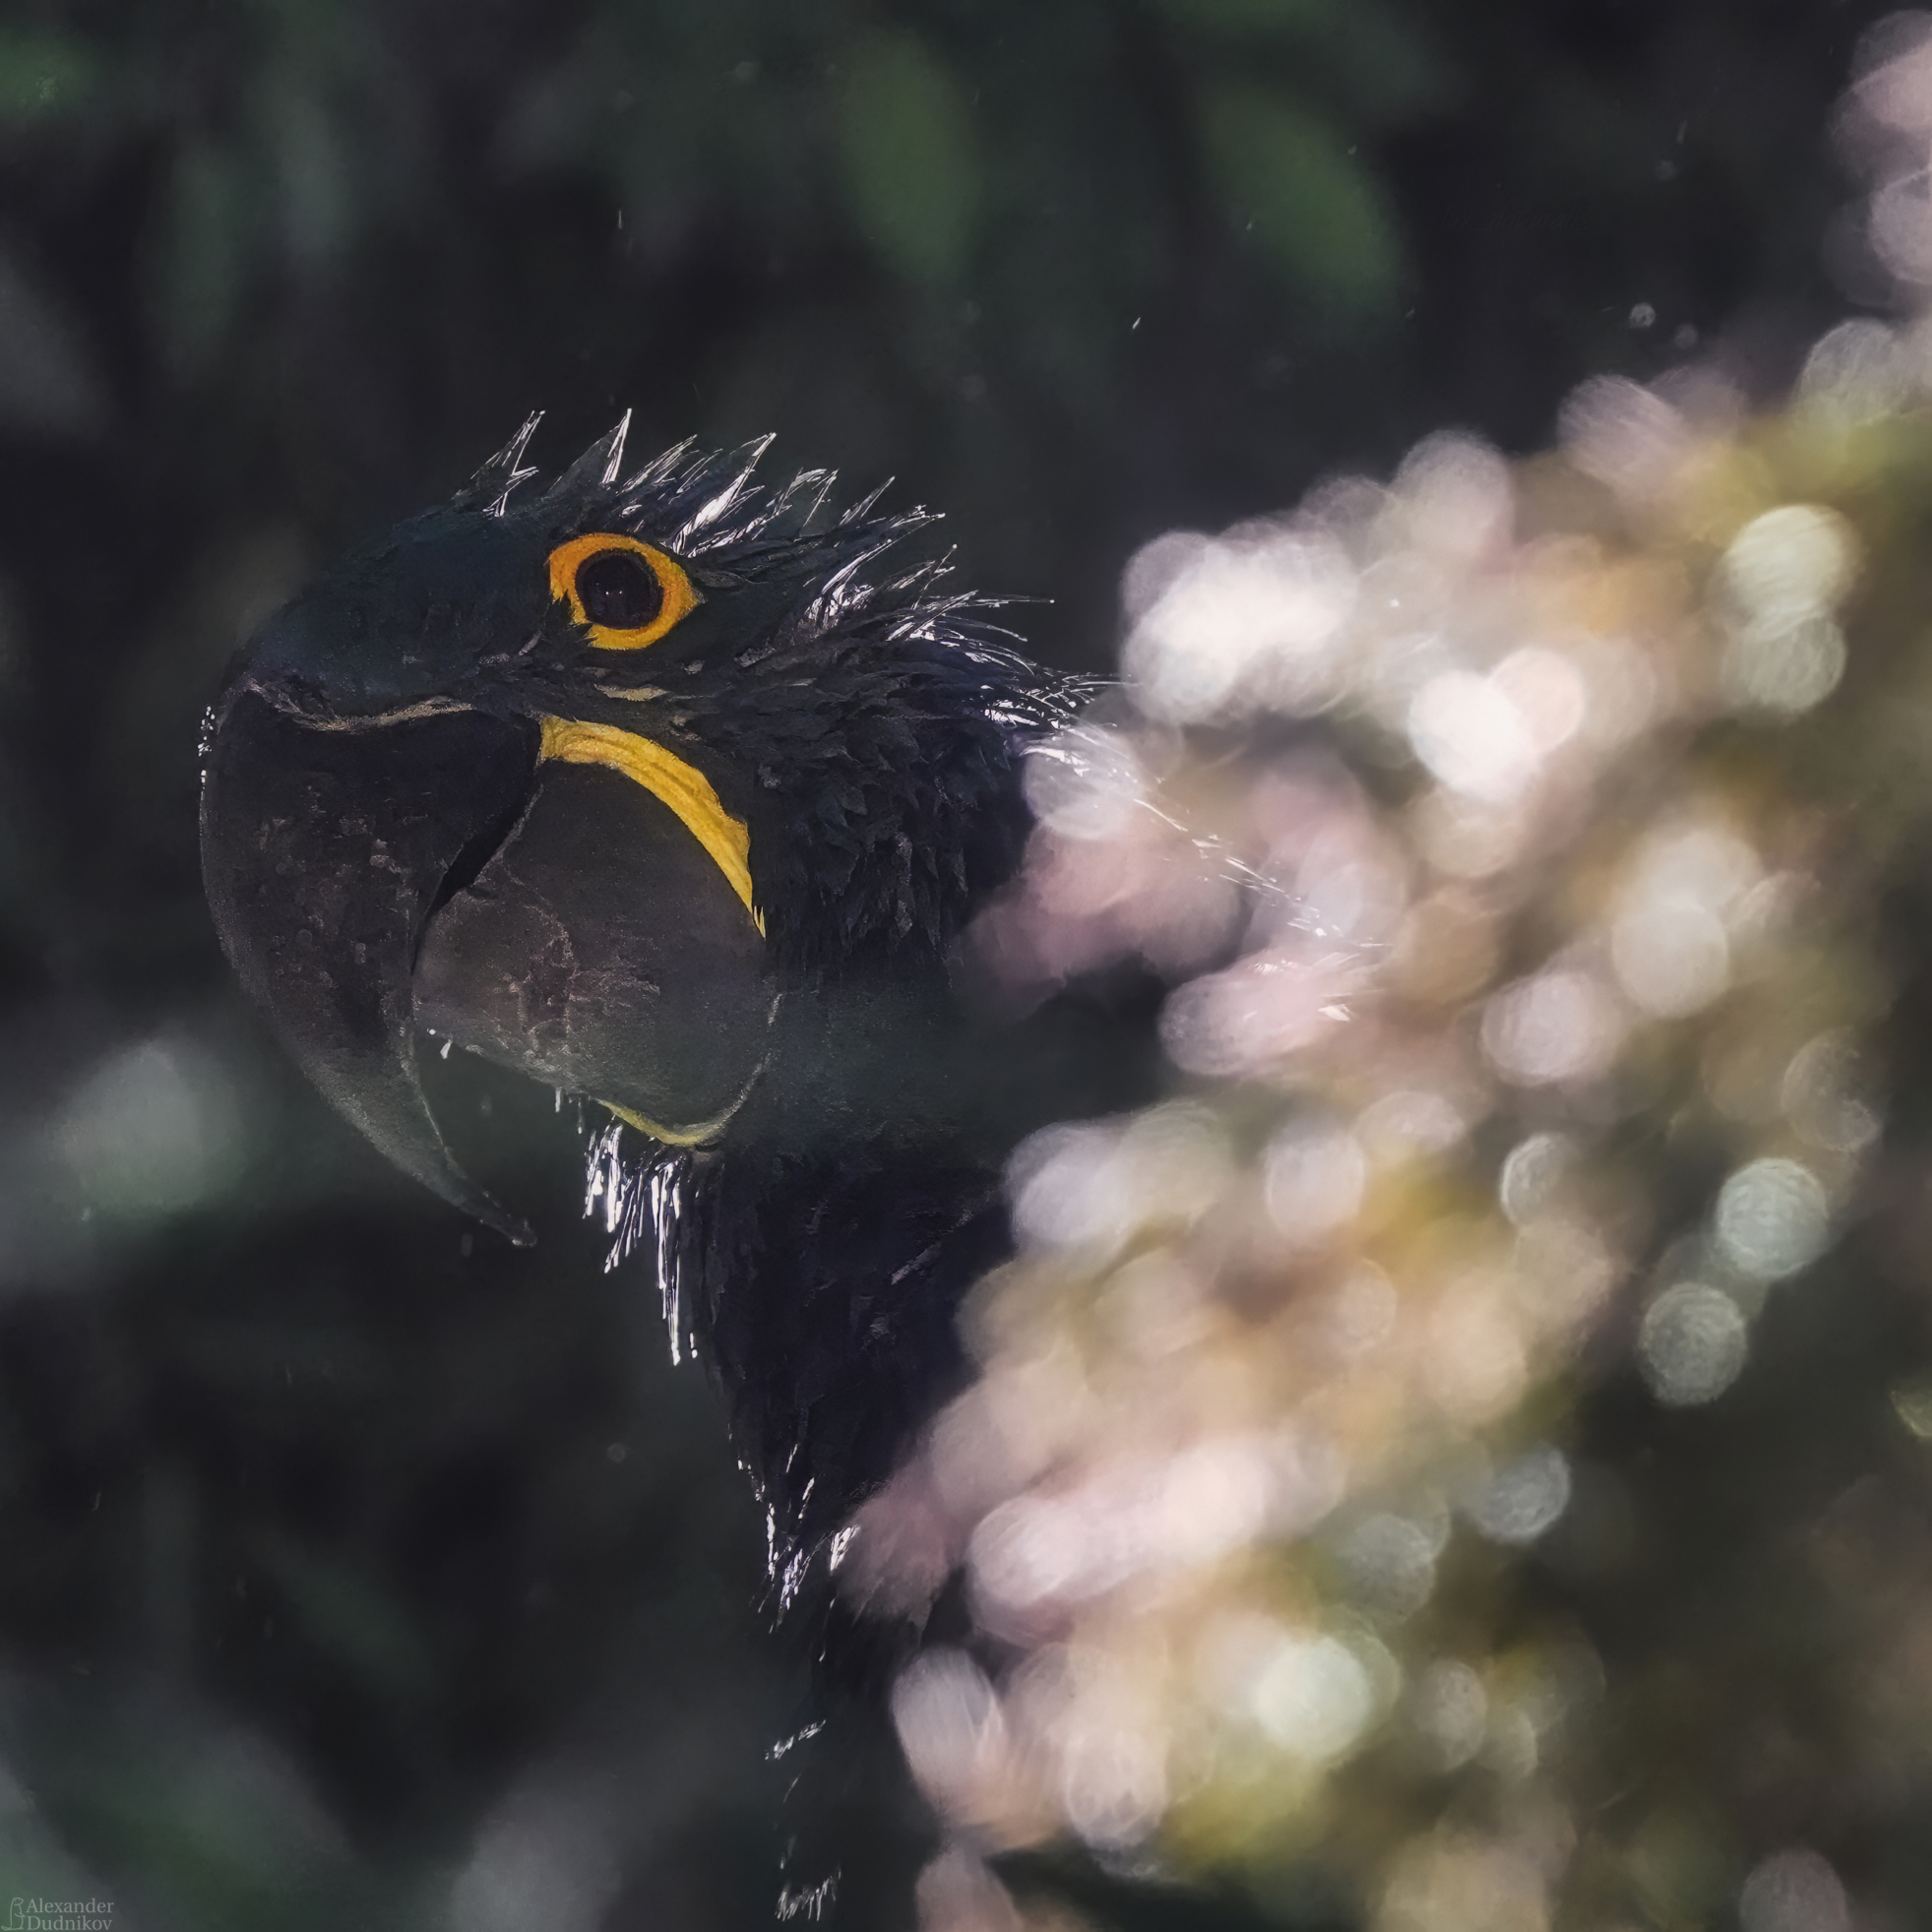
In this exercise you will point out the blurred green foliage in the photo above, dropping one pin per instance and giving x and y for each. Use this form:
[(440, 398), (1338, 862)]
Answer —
[(1315, 212), (912, 167), (42, 73)]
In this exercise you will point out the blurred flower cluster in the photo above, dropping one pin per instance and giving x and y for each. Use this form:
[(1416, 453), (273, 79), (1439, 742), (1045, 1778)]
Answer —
[(1523, 848)]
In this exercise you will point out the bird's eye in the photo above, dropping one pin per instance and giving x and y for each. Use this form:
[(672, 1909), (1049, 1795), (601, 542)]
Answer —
[(618, 589), (625, 593)]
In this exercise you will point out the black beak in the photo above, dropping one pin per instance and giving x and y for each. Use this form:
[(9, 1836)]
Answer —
[(324, 852)]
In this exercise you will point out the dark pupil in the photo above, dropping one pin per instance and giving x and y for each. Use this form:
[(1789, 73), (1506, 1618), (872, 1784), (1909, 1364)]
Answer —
[(619, 590)]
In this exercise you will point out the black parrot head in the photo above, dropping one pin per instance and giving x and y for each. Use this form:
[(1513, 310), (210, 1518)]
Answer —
[(584, 779)]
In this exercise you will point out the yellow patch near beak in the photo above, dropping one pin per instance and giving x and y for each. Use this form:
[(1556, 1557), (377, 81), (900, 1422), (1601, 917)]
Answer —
[(667, 778)]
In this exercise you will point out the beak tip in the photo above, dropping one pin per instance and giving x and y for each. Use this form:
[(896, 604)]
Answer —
[(319, 907)]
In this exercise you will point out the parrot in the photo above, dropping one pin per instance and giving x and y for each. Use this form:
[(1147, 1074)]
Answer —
[(664, 789)]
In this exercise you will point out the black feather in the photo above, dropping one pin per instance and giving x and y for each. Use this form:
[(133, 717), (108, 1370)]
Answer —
[(868, 722)]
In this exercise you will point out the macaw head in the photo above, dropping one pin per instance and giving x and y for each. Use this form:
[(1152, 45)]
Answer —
[(586, 777)]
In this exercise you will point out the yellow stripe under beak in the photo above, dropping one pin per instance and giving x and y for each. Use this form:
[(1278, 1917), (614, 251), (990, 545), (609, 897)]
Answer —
[(667, 776)]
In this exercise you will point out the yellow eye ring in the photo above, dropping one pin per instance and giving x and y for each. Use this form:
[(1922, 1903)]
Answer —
[(625, 593)]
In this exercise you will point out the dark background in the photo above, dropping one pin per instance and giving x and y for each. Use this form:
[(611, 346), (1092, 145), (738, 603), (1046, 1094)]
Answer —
[(348, 1560)]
